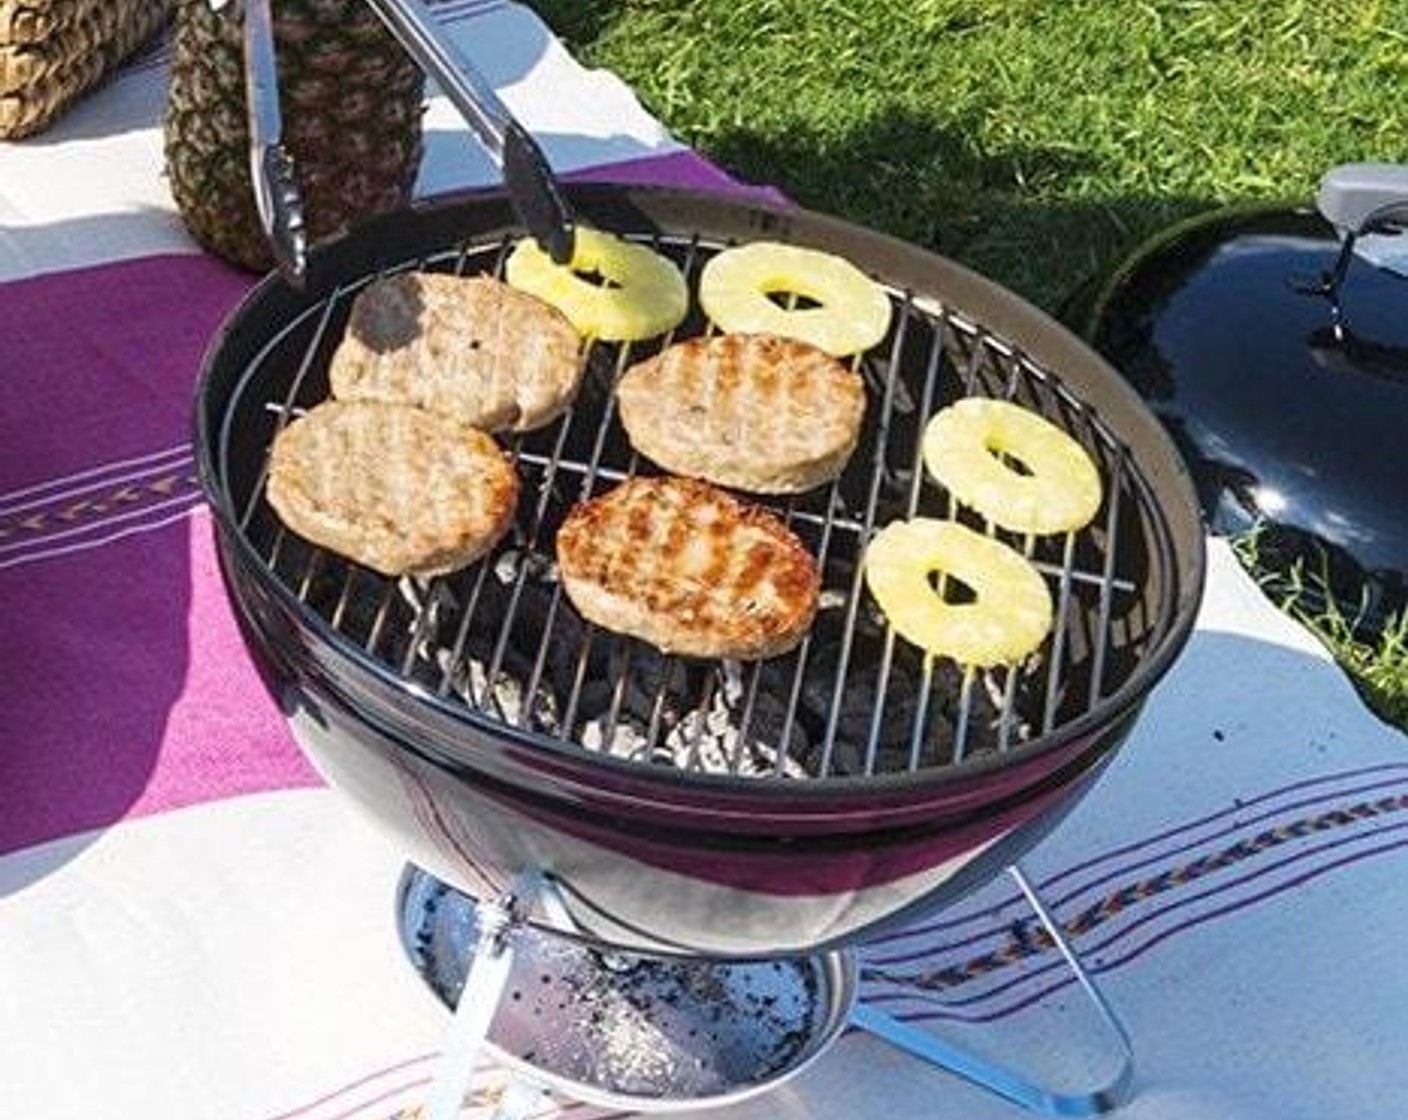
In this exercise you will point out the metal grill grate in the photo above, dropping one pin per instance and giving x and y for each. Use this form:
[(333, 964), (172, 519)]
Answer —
[(501, 639)]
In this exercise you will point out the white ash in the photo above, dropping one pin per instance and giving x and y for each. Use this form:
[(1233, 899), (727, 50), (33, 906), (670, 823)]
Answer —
[(708, 738), (627, 740), (534, 564), (424, 596), (712, 740), (830, 599), (469, 679), (428, 600), (733, 682)]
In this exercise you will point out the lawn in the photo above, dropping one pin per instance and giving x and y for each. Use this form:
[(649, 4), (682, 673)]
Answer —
[(1038, 141)]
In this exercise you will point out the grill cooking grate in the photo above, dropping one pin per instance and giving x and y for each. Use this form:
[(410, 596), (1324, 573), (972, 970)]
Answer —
[(500, 638)]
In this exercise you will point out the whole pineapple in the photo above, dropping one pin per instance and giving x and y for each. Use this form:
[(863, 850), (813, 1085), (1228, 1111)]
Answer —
[(351, 100)]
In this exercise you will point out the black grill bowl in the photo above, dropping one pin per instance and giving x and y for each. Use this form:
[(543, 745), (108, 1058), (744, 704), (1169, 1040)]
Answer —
[(861, 786)]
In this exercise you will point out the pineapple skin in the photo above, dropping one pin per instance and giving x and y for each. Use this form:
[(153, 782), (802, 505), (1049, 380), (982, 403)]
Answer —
[(351, 100)]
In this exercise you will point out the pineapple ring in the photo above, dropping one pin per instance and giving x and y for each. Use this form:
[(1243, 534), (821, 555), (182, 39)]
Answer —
[(852, 315), (961, 448), (644, 294), (1009, 617)]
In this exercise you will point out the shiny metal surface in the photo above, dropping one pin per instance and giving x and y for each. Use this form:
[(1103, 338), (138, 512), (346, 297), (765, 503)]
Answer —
[(623, 1030), (536, 194), (620, 884), (1357, 197), (271, 167)]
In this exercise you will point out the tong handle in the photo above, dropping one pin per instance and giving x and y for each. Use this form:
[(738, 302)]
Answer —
[(535, 192), (270, 166)]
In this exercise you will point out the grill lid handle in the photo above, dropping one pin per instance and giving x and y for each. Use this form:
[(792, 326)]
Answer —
[(1367, 203), (1359, 198)]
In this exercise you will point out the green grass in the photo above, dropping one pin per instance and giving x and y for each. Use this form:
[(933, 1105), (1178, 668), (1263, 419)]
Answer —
[(1039, 141), (1377, 663)]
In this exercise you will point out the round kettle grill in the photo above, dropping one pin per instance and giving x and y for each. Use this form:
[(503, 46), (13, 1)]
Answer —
[(747, 825)]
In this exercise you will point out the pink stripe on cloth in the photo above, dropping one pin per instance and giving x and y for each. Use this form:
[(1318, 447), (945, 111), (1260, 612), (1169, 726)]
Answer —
[(684, 169), (127, 688)]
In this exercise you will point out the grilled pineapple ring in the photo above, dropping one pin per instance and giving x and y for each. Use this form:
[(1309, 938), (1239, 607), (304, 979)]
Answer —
[(962, 445), (852, 312), (1007, 619), (644, 294)]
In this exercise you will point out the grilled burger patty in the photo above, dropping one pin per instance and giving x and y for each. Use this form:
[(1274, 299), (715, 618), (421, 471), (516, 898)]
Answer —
[(749, 411), (396, 488), (466, 346), (688, 568)]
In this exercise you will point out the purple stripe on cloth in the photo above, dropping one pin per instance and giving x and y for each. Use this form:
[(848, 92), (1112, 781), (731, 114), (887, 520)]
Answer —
[(128, 689), (1098, 961), (998, 927), (361, 1082), (381, 1098), (1235, 810), (683, 169), (1143, 947)]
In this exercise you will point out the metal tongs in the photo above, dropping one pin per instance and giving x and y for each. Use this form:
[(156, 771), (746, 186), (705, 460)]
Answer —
[(270, 166), (533, 190)]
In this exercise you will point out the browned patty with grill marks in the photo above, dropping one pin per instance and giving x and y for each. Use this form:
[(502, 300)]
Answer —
[(466, 346), (399, 489), (690, 569), (750, 411)]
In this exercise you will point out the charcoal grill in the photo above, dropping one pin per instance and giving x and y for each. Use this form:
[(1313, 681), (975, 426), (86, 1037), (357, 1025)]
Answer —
[(769, 810)]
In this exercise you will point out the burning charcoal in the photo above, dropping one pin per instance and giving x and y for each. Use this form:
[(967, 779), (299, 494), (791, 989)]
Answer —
[(632, 697), (421, 643), (554, 632), (986, 701), (643, 682), (504, 697), (468, 674), (766, 731), (539, 567), (897, 706), (711, 737), (846, 758), (655, 679)]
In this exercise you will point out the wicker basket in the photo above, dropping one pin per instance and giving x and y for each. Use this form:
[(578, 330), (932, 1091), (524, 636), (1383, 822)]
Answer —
[(53, 51)]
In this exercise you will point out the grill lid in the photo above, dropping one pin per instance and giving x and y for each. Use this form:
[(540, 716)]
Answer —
[(1288, 398)]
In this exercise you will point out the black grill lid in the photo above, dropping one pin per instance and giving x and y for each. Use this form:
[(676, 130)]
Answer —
[(1288, 401)]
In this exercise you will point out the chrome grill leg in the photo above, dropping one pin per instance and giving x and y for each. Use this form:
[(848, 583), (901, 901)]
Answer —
[(1005, 1082)]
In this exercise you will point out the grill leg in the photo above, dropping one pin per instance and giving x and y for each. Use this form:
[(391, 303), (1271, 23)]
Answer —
[(483, 990), (1001, 1080)]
